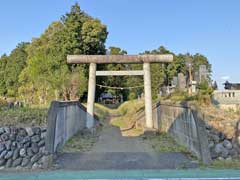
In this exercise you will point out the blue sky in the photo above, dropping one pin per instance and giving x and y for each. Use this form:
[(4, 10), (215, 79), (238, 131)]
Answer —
[(210, 27)]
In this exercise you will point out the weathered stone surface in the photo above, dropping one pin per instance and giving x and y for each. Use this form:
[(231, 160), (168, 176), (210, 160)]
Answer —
[(27, 144), (41, 143), (9, 155), (12, 137), (8, 145), (2, 147), (35, 138), (26, 139), (233, 153), (221, 136), (214, 137), (18, 149), (7, 129), (29, 152), (22, 132), (210, 144), (224, 153), (5, 137), (25, 162), (29, 131), (17, 162), (227, 144), (19, 145), (9, 163), (15, 154), (35, 166), (36, 158), (2, 162), (23, 152), (36, 130), (219, 148), (2, 130), (35, 149), (43, 135), (3, 154)]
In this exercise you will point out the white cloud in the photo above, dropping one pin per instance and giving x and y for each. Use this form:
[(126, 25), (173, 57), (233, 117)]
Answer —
[(225, 77)]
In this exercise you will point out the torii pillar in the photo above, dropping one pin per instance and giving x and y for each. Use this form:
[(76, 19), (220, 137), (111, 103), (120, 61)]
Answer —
[(116, 59), (91, 95)]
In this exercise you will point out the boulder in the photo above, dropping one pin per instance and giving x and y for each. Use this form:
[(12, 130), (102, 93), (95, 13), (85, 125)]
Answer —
[(26, 139), (219, 148), (2, 162), (9, 163), (41, 143), (8, 145), (12, 137), (37, 130), (2, 147), (233, 153), (2, 130), (17, 162), (29, 131), (27, 145), (22, 132), (214, 138), (35, 138), (224, 153), (3, 154), (221, 136), (19, 138), (7, 130), (43, 135), (213, 154), (25, 162), (210, 144), (35, 148), (227, 144), (15, 154), (23, 152), (29, 152), (5, 137), (36, 158), (8, 155)]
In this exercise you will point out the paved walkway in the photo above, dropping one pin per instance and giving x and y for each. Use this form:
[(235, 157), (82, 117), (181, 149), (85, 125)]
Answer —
[(114, 152)]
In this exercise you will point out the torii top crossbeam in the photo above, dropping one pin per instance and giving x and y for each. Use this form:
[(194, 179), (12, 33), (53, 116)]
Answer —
[(114, 59)]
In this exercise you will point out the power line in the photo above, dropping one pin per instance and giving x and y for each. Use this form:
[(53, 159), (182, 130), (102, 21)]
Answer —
[(121, 88)]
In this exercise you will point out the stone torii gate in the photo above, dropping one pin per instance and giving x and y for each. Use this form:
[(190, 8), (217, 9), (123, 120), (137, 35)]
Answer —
[(93, 60)]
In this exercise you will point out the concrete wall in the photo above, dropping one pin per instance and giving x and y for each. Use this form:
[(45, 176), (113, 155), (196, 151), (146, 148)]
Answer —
[(65, 119), (226, 97), (186, 125)]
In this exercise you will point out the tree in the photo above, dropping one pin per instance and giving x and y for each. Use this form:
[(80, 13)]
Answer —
[(15, 64), (47, 74), (3, 63)]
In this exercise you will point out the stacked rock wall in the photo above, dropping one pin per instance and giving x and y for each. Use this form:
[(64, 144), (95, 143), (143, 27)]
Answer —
[(222, 146), (22, 147)]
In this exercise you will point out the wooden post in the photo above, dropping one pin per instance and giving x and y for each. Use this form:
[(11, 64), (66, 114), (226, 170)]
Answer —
[(91, 95), (148, 95)]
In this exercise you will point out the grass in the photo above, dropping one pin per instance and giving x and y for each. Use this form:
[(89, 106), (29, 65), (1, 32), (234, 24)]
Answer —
[(23, 116), (225, 164), (163, 143), (81, 142)]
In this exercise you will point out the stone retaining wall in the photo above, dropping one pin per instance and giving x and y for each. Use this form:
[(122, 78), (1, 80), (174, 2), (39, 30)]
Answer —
[(186, 125), (22, 148), (65, 119)]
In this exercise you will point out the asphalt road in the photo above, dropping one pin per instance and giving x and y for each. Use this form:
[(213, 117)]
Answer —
[(196, 174)]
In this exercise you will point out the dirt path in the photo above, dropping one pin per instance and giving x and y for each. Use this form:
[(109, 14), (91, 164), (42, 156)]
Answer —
[(112, 140)]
